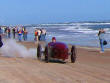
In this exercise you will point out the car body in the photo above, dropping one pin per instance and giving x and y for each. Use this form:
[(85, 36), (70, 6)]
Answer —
[(57, 50)]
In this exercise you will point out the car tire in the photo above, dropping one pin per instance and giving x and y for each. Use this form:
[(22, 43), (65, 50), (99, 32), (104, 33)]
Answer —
[(47, 54), (39, 52)]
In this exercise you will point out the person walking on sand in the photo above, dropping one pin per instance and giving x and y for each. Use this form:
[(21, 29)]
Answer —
[(101, 39)]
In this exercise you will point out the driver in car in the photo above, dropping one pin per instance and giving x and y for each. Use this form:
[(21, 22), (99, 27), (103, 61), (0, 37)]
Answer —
[(53, 39), (52, 43)]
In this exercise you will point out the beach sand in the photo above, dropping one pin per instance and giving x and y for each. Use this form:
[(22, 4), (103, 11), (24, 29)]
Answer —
[(90, 67)]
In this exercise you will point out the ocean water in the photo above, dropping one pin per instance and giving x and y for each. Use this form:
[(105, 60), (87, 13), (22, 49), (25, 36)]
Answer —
[(83, 34)]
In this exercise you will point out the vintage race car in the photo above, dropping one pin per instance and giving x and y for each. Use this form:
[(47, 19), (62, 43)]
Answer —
[(57, 50)]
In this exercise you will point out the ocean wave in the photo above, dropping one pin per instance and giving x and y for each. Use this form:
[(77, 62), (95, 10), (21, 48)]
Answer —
[(80, 29), (86, 23)]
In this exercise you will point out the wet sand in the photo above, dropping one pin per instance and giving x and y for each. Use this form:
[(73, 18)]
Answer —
[(90, 67)]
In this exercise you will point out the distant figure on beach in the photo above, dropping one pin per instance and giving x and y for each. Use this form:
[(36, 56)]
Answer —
[(3, 30), (1, 43), (36, 35), (101, 39), (9, 33), (13, 31), (25, 34), (20, 35), (0, 30), (39, 34), (43, 34)]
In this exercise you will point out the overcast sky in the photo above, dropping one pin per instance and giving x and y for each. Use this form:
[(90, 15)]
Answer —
[(53, 11)]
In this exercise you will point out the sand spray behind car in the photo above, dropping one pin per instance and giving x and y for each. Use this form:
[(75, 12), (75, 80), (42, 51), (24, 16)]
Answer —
[(12, 49)]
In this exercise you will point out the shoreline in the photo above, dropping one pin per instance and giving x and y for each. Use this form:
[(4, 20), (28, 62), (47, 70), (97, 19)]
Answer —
[(92, 47)]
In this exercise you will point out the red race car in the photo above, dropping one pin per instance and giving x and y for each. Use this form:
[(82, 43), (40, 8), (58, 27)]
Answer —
[(57, 50)]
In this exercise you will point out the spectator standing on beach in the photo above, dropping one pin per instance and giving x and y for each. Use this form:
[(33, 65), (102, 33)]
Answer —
[(25, 34), (3, 30), (23, 28), (20, 35), (6, 30), (1, 43), (101, 39), (16, 31), (13, 31), (39, 34), (9, 32), (36, 35), (0, 30), (43, 34)]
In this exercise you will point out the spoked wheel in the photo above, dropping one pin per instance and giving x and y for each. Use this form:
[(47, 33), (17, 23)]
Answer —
[(47, 52), (73, 54), (39, 52)]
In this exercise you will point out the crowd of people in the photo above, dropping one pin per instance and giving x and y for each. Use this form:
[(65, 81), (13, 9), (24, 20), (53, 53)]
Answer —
[(40, 34), (20, 33), (14, 32)]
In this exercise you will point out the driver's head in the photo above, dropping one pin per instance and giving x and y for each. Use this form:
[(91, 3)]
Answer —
[(53, 39)]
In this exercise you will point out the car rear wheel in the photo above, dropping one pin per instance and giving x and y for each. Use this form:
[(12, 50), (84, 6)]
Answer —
[(39, 52), (47, 52)]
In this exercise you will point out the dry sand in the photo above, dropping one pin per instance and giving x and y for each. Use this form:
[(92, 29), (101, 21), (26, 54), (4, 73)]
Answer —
[(90, 67)]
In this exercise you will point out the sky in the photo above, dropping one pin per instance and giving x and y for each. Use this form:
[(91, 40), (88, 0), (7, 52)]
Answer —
[(52, 11)]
